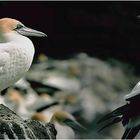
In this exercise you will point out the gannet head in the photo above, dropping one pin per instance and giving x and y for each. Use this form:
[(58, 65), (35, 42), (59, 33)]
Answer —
[(9, 25), (65, 118)]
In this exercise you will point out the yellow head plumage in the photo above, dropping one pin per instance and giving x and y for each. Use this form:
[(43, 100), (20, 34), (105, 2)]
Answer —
[(9, 24)]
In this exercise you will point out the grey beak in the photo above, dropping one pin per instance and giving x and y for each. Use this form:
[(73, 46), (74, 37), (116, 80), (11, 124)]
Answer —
[(30, 32)]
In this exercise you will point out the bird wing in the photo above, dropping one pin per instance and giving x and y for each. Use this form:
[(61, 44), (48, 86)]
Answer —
[(115, 116), (134, 93), (41, 87), (117, 112), (4, 59), (130, 133), (115, 120), (132, 128), (47, 106)]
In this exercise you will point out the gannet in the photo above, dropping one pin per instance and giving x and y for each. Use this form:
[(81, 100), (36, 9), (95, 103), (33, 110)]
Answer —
[(66, 125), (16, 50), (128, 114)]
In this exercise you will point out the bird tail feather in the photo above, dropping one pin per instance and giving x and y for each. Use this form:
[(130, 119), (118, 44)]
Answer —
[(130, 133), (117, 112), (115, 120)]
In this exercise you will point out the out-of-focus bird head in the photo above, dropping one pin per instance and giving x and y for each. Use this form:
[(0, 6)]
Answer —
[(65, 118), (14, 96), (61, 117), (9, 25), (39, 116)]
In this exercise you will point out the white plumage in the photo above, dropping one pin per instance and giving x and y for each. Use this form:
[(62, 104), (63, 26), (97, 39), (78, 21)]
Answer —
[(16, 51), (15, 59)]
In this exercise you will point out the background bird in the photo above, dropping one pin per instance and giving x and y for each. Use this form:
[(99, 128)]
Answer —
[(43, 88), (128, 114), (16, 50), (66, 125)]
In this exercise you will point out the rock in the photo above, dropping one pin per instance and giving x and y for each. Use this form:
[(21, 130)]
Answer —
[(42, 131), (14, 127)]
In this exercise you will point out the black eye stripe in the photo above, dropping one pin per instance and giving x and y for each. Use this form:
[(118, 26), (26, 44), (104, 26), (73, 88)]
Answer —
[(19, 26)]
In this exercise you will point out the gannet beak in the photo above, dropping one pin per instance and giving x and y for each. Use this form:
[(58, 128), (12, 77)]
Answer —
[(30, 32)]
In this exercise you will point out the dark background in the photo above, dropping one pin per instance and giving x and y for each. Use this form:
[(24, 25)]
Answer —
[(102, 29)]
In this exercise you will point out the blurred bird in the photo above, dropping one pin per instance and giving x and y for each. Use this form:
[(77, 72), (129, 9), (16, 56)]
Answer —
[(40, 109), (41, 88), (23, 86), (16, 100), (128, 114), (39, 114), (66, 125), (16, 50), (47, 109)]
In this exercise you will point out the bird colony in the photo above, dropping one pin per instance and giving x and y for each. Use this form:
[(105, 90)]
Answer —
[(61, 98)]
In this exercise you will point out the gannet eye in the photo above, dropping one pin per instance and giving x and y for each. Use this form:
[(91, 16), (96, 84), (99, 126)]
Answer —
[(19, 26)]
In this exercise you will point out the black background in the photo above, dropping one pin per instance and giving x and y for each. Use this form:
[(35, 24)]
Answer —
[(102, 29)]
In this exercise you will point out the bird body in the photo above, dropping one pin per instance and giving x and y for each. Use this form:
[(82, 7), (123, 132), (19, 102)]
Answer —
[(16, 51), (15, 60)]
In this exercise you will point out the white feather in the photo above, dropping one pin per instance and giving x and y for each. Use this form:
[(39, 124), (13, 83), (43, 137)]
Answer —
[(16, 57)]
